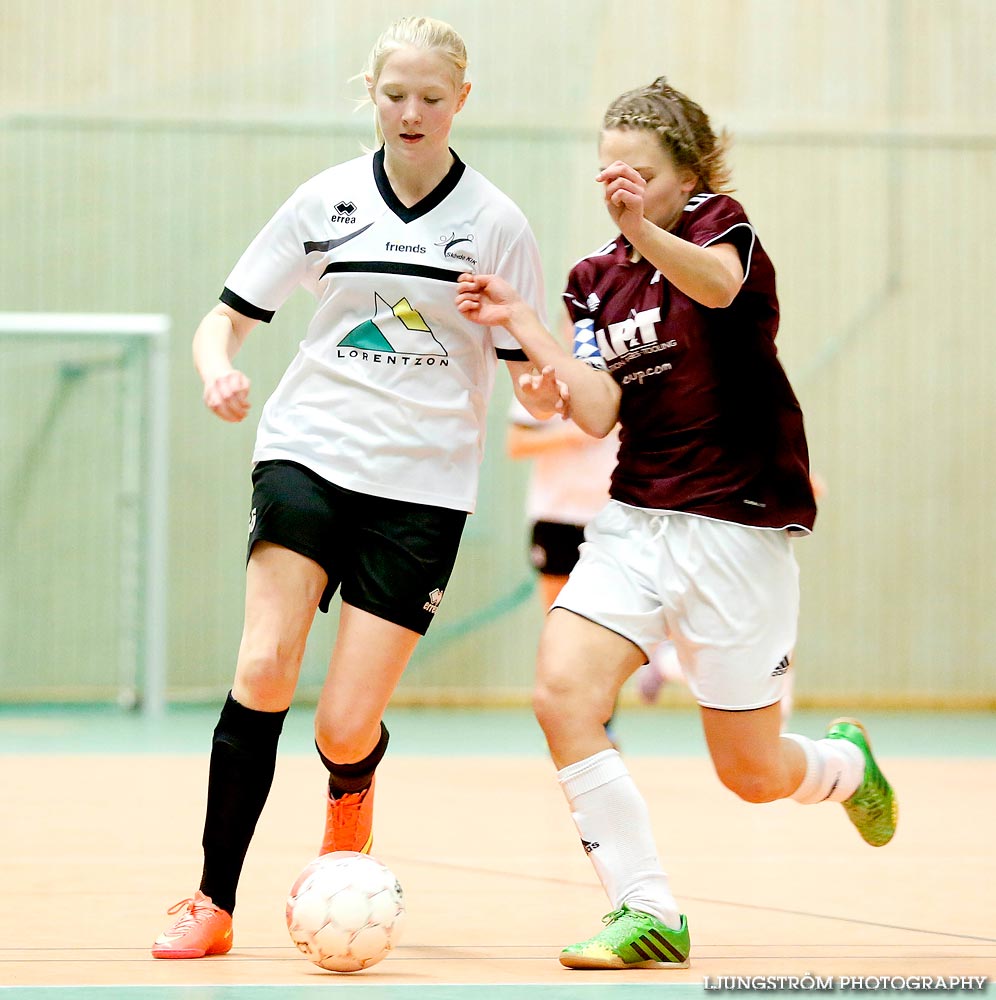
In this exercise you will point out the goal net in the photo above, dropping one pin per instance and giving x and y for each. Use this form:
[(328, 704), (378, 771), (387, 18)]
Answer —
[(83, 507)]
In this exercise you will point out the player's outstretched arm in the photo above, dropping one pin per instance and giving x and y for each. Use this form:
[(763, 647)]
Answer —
[(592, 396), (218, 338)]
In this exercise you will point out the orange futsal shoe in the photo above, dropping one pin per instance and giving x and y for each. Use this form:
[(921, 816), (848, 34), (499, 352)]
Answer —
[(349, 823), (201, 929)]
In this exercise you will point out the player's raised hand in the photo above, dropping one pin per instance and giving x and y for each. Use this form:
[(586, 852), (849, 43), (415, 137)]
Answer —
[(623, 190), (227, 395), (546, 391), (486, 299)]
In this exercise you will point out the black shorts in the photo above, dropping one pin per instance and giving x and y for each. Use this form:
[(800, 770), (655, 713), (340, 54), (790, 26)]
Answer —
[(554, 548), (389, 557)]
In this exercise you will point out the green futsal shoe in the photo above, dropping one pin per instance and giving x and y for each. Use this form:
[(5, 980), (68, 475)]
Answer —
[(873, 808), (631, 940)]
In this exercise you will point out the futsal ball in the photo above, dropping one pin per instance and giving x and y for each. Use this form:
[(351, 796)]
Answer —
[(346, 911)]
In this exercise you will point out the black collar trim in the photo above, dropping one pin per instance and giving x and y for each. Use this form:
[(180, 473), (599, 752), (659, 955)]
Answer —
[(429, 202)]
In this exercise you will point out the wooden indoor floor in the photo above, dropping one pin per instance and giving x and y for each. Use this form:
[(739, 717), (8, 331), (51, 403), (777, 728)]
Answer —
[(94, 848)]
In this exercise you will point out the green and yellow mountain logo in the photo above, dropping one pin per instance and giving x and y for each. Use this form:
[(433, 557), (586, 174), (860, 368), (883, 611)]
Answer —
[(397, 329)]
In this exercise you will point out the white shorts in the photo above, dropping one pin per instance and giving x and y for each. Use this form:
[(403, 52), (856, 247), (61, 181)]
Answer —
[(725, 594)]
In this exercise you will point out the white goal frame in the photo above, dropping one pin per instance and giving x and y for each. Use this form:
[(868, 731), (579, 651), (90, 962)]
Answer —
[(143, 683)]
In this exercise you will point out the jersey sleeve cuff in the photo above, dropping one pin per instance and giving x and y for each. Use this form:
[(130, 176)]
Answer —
[(511, 354), (743, 237), (240, 305)]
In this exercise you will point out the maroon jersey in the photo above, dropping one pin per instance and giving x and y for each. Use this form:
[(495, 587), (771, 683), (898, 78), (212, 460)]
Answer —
[(708, 421)]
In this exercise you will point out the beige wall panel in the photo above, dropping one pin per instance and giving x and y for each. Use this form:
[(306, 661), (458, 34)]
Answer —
[(142, 146)]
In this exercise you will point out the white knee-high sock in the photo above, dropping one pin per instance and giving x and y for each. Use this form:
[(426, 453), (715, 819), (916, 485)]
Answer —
[(614, 824), (834, 769)]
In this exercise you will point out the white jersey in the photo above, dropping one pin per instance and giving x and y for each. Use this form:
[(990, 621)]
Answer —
[(567, 485), (389, 389)]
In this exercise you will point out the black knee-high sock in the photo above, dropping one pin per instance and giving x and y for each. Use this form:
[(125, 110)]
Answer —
[(243, 759), (347, 779)]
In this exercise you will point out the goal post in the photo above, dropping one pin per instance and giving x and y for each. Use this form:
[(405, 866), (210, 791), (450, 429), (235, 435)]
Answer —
[(74, 346)]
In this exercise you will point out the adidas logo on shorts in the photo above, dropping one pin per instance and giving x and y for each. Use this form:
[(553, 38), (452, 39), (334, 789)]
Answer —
[(783, 665)]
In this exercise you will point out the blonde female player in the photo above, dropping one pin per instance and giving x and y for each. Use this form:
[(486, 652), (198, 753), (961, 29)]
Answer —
[(675, 322), (367, 453)]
